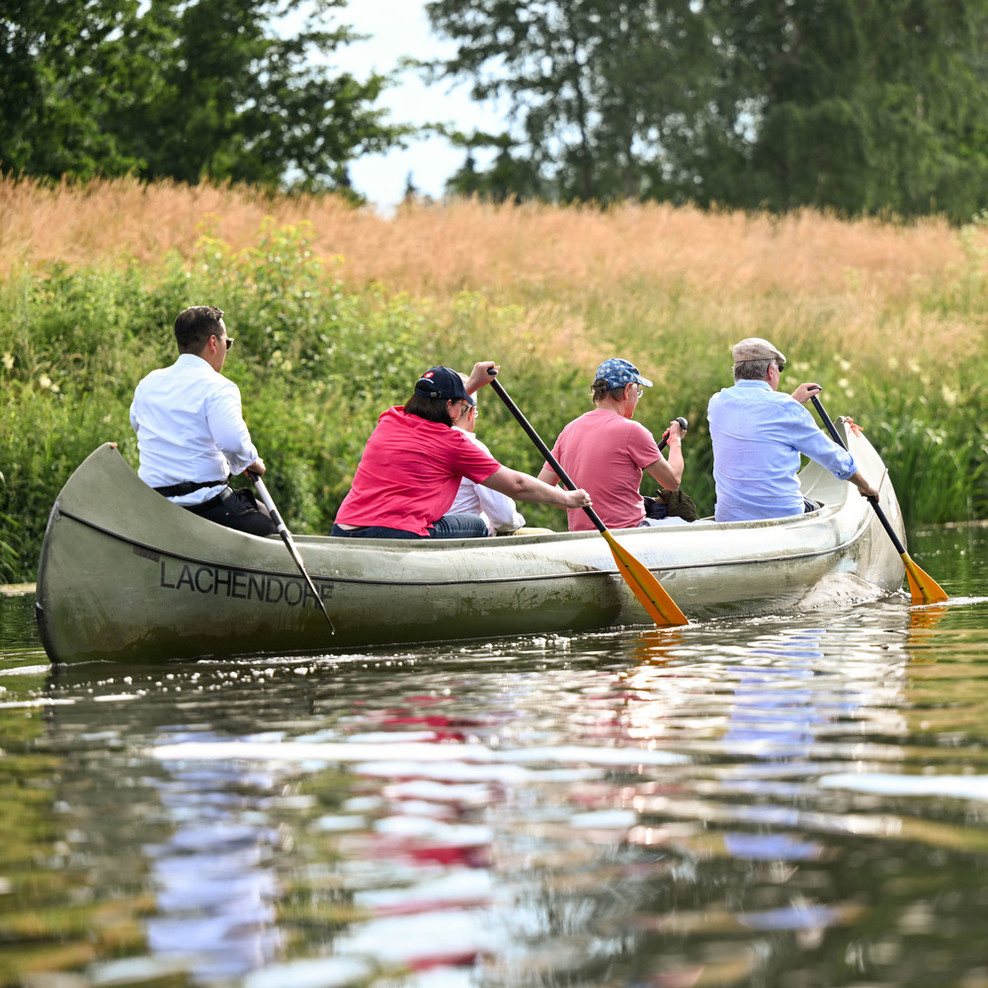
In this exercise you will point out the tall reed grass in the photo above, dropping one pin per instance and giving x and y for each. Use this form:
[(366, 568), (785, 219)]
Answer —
[(338, 309)]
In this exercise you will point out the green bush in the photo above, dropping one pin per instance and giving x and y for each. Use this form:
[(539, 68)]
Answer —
[(318, 363)]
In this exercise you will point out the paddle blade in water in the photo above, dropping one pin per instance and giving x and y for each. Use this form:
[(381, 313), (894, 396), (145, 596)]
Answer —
[(661, 608), (922, 587)]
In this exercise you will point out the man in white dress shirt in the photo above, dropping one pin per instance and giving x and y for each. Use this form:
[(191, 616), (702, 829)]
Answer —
[(496, 509), (191, 435)]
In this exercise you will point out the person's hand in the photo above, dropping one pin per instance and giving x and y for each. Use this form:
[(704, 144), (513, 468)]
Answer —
[(675, 431), (480, 375), (257, 468), (805, 391), (868, 491), (578, 499)]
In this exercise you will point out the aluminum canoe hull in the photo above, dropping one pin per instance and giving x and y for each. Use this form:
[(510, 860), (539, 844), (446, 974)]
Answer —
[(126, 576)]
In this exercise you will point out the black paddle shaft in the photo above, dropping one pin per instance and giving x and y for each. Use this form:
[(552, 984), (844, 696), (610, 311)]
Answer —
[(832, 429), (543, 449), (286, 537)]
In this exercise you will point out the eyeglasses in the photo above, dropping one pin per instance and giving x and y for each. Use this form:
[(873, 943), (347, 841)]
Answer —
[(781, 366), (639, 390), (228, 340)]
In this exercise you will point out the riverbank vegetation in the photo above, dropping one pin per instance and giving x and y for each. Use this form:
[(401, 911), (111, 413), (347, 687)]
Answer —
[(336, 310)]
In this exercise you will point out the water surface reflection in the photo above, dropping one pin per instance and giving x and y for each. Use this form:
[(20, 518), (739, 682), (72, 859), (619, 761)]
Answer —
[(791, 801)]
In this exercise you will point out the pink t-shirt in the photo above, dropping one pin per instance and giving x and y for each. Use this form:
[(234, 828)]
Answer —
[(604, 453), (410, 472)]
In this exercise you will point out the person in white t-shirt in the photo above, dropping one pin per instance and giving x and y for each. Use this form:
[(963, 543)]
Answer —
[(191, 434), (496, 509)]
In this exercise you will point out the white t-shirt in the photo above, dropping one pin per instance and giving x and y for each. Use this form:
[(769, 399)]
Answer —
[(497, 509)]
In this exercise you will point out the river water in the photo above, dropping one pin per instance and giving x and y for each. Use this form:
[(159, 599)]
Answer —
[(796, 801)]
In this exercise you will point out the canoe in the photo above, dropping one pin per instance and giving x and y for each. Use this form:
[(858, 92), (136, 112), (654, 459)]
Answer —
[(127, 576)]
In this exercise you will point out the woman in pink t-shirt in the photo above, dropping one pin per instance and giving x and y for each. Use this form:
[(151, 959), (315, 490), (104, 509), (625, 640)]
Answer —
[(414, 461), (606, 453)]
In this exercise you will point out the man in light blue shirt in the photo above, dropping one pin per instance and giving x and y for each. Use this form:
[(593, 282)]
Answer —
[(758, 436)]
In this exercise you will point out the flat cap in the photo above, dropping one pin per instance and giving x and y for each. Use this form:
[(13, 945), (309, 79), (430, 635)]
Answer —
[(755, 348)]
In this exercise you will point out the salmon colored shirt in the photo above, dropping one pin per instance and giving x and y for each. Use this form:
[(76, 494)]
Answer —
[(605, 453), (410, 472)]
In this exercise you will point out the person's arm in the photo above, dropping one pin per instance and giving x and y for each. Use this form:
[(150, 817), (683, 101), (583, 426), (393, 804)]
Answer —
[(864, 486), (810, 441), (548, 476), (522, 487), (226, 424), (480, 375), (499, 510)]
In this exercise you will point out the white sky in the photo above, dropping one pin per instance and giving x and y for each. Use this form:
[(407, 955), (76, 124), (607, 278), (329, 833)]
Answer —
[(397, 28)]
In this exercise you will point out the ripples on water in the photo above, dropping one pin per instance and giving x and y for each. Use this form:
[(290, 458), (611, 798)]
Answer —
[(797, 801)]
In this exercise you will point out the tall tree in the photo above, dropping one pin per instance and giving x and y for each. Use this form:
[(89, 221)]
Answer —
[(56, 67), (858, 105), (593, 86), (186, 89)]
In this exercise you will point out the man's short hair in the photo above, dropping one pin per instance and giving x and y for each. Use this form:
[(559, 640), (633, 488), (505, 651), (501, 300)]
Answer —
[(195, 325), (601, 389), (752, 370)]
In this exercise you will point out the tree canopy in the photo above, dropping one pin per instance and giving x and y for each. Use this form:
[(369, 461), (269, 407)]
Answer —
[(184, 89), (855, 105)]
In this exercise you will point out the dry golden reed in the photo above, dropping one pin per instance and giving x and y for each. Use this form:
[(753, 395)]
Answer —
[(467, 244), (749, 273)]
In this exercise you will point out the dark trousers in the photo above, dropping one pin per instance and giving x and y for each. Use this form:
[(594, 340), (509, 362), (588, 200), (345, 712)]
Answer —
[(237, 509), (447, 527)]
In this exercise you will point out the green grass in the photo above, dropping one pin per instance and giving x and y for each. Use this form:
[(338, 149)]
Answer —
[(317, 363)]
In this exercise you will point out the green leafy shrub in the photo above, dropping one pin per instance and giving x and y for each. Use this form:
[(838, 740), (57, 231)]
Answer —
[(317, 363)]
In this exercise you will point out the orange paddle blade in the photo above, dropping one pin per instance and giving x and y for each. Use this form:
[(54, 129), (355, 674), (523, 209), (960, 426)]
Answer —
[(922, 587), (661, 608)]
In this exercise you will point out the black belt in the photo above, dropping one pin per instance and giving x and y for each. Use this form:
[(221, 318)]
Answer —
[(187, 487), (205, 506)]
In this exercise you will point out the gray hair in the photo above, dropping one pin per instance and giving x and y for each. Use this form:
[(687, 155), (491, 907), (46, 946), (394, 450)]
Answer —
[(752, 370)]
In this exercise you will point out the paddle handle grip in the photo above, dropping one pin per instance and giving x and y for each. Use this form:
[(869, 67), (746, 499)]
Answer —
[(683, 424)]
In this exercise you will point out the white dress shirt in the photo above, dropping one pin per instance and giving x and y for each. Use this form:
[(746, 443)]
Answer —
[(190, 427), (497, 509)]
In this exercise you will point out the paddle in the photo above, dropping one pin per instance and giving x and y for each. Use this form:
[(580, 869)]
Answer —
[(286, 537), (660, 606), (923, 589)]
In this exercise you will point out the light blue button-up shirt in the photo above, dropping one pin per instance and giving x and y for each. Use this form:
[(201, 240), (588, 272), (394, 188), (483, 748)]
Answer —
[(758, 435)]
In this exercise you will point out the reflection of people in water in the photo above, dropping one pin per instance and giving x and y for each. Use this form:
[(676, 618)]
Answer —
[(215, 880), (774, 719)]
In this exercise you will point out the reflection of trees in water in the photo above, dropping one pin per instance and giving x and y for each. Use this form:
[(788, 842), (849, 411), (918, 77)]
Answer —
[(731, 867), (73, 874)]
